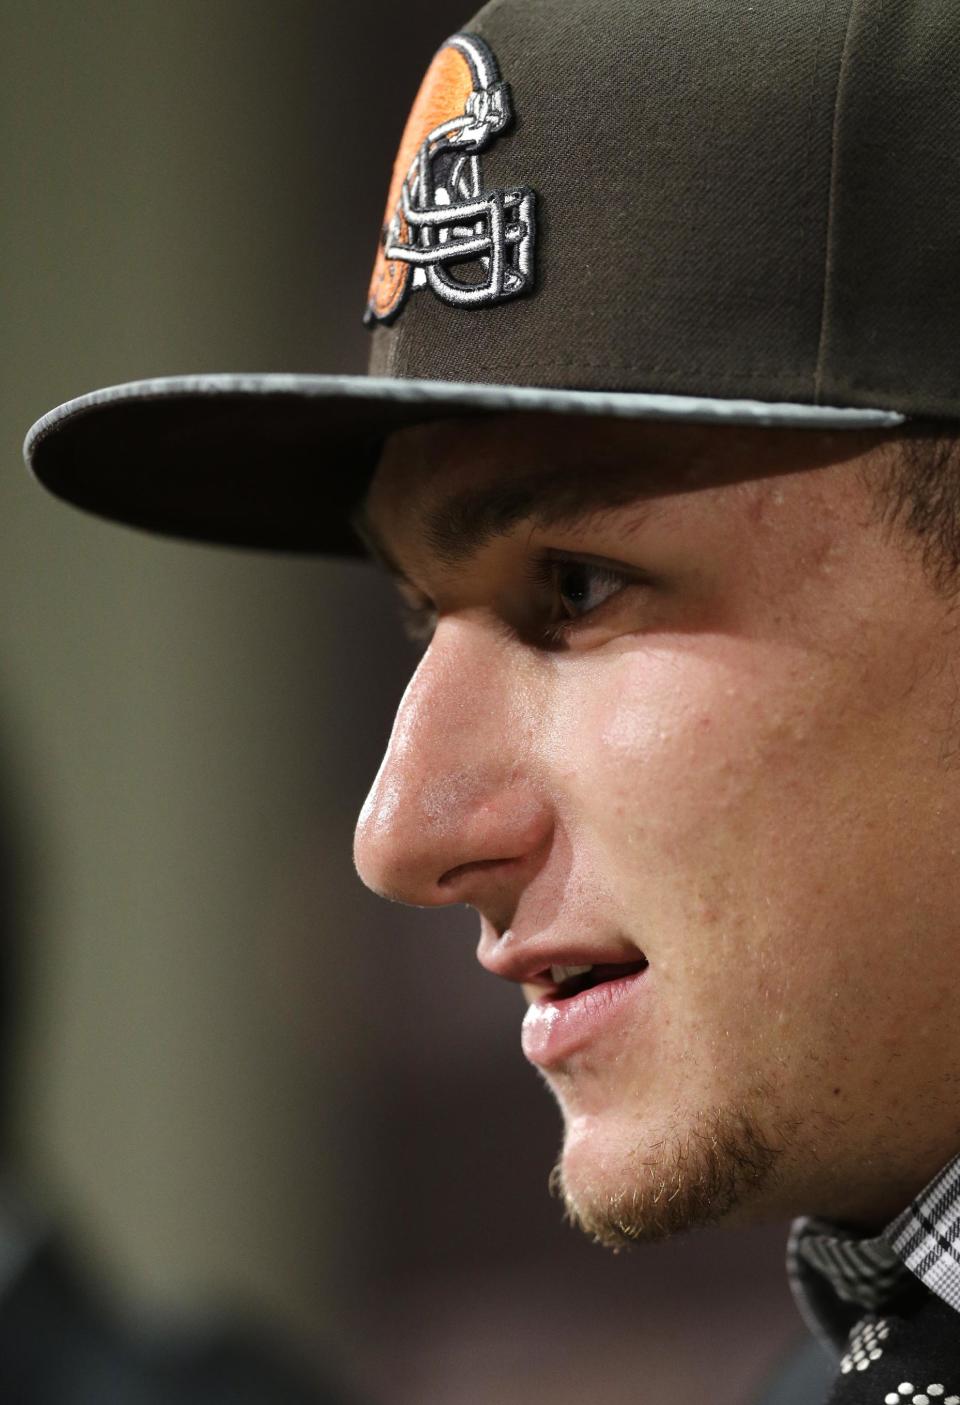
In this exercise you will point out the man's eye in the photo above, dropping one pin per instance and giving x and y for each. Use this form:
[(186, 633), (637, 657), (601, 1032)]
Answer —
[(574, 588), (577, 589), (582, 588)]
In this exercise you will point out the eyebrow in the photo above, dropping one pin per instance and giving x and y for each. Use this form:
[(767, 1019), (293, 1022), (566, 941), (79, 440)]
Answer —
[(467, 520)]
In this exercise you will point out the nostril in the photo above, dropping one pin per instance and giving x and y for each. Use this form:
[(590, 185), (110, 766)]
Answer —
[(475, 866)]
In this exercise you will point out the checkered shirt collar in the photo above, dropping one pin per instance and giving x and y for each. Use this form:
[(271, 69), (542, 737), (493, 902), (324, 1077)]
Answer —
[(834, 1274)]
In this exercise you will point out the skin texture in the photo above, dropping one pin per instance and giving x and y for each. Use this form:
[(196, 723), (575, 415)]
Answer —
[(742, 765)]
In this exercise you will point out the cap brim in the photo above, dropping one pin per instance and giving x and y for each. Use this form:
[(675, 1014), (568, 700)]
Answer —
[(279, 461)]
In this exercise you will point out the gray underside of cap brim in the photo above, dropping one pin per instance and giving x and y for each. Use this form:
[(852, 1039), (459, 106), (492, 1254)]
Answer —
[(277, 460)]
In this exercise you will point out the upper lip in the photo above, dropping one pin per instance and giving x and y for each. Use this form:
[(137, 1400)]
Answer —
[(529, 962)]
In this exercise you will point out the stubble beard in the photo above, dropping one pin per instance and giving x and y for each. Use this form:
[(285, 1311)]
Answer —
[(721, 1170)]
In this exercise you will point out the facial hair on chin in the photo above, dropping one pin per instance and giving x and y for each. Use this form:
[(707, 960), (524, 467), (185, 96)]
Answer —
[(683, 1182)]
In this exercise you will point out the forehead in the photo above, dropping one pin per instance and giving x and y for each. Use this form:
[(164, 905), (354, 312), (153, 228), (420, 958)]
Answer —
[(451, 485)]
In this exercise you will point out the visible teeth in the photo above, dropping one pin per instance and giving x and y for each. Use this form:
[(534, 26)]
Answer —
[(559, 974)]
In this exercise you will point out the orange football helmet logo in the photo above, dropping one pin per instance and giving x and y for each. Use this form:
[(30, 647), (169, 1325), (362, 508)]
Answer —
[(472, 247)]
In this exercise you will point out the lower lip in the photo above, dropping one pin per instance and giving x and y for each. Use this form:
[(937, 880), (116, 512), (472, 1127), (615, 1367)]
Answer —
[(555, 1029)]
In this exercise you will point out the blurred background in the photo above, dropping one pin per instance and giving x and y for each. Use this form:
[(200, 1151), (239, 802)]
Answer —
[(238, 1083)]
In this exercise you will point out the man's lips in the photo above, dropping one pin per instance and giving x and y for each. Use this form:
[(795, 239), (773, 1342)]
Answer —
[(573, 991), (531, 961), (603, 1004), (569, 981)]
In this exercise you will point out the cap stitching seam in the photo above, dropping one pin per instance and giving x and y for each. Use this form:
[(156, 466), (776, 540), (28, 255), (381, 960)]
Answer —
[(804, 223), (831, 204), (648, 367)]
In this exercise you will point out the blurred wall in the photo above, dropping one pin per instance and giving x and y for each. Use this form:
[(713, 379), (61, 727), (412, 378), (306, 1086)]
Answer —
[(242, 1079), (181, 193)]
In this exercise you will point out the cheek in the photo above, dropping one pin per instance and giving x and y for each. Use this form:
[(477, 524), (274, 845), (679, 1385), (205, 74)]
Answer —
[(704, 787), (743, 815), (682, 746)]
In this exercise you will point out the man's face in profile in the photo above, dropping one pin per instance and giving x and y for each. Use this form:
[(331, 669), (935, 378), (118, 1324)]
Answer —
[(697, 746)]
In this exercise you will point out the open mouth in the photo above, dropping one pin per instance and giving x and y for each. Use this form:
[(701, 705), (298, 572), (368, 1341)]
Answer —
[(572, 1007), (566, 982)]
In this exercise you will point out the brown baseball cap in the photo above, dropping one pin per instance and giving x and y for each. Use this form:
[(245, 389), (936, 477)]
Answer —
[(727, 213)]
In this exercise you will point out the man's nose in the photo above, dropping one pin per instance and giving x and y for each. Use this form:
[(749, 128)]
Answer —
[(457, 812)]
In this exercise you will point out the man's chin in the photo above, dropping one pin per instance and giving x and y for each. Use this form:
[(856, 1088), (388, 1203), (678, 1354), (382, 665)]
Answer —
[(623, 1190)]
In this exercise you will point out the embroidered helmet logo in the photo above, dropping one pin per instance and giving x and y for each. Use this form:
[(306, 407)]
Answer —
[(442, 230)]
